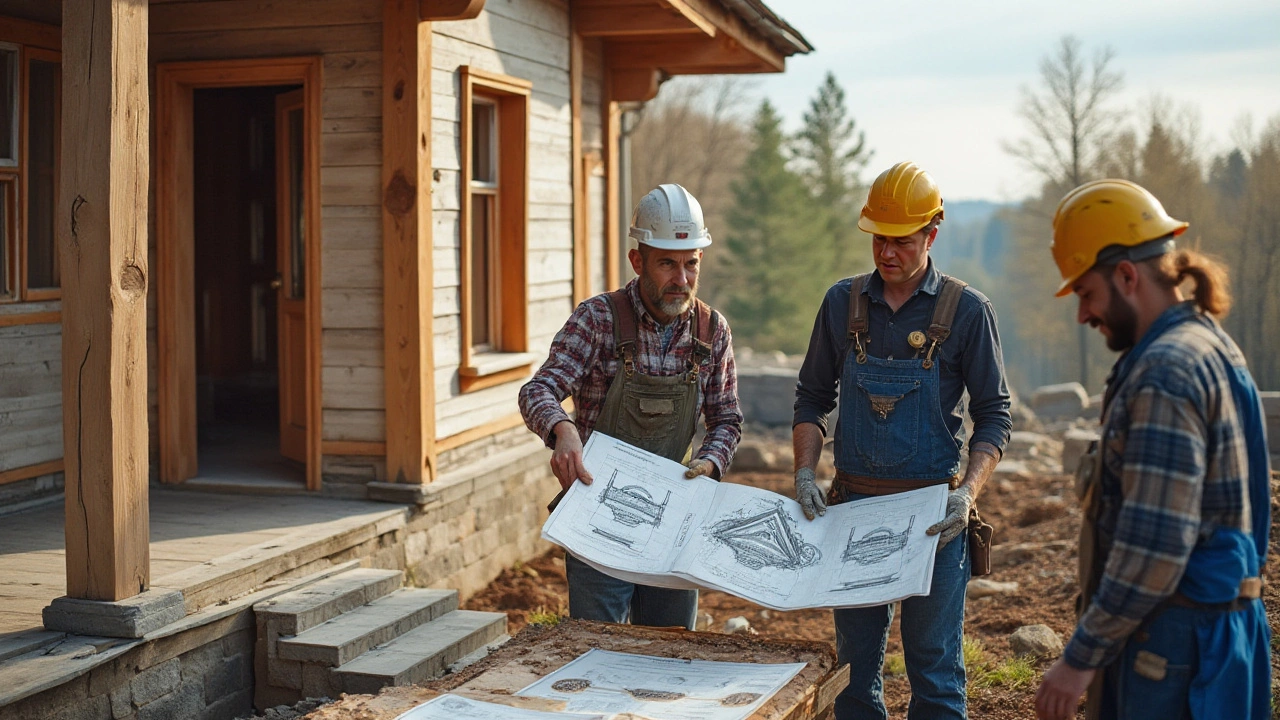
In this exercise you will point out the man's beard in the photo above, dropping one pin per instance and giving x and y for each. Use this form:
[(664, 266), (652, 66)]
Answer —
[(670, 308), (1121, 320)]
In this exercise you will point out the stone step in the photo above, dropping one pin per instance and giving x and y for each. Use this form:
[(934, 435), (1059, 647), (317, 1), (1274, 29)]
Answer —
[(421, 654), (347, 636), (296, 612)]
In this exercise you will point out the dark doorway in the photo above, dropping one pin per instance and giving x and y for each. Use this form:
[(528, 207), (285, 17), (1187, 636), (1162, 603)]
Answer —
[(237, 276)]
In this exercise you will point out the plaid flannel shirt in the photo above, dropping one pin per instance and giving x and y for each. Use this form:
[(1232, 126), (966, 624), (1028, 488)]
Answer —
[(1175, 466), (583, 362)]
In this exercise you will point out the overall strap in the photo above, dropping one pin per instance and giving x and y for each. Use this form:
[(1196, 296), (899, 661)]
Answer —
[(859, 315), (624, 327), (944, 313), (703, 328)]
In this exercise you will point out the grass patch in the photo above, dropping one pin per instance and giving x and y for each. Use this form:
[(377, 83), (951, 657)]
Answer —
[(895, 664), (985, 673), (543, 618)]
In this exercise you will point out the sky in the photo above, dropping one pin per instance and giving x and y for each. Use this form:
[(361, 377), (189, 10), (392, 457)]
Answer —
[(938, 81)]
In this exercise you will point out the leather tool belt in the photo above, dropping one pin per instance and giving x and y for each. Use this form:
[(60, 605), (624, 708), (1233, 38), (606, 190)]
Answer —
[(1250, 590)]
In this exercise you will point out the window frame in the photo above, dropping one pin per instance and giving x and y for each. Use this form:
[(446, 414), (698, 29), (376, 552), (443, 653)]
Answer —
[(34, 42), (507, 359), (20, 88), (9, 286)]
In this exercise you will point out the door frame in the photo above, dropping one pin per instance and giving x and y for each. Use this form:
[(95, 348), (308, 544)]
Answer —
[(175, 244)]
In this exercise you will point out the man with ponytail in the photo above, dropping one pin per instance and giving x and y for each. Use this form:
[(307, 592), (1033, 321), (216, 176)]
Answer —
[(1176, 493)]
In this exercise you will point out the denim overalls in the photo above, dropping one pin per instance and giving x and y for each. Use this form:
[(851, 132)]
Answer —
[(891, 428)]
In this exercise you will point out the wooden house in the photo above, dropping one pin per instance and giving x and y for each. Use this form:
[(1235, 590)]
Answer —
[(280, 248)]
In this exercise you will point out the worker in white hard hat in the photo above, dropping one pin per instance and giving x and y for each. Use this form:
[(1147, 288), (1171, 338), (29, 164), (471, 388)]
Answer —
[(641, 364)]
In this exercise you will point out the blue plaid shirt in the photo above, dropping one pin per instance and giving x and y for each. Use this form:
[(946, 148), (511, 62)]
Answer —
[(1175, 468)]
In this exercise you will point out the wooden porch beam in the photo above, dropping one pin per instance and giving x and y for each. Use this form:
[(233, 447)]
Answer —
[(102, 236), (735, 27), (634, 84), (691, 53), (613, 21), (406, 242), (442, 10)]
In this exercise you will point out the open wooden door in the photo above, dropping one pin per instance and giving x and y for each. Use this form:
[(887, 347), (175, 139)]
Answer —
[(291, 283)]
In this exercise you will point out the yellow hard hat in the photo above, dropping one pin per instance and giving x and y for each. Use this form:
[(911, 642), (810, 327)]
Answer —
[(1102, 213), (902, 200)]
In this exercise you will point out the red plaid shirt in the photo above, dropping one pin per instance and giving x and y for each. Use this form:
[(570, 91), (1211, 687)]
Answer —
[(583, 361)]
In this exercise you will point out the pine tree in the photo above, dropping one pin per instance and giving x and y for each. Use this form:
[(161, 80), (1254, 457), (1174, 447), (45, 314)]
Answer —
[(831, 154), (778, 247)]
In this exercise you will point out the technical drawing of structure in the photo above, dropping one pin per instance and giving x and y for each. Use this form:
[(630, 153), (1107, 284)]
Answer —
[(766, 539), (880, 547), (631, 504)]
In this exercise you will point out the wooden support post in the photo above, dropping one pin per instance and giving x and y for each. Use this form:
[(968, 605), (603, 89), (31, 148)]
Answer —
[(102, 236), (406, 242), (613, 249)]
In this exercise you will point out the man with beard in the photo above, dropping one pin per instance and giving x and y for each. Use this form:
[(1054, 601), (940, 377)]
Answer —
[(1176, 493), (899, 347), (641, 364)]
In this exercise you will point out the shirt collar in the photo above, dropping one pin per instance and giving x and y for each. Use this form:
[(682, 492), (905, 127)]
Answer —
[(931, 284), (1173, 316)]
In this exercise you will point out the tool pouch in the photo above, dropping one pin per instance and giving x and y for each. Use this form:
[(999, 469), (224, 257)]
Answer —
[(979, 544)]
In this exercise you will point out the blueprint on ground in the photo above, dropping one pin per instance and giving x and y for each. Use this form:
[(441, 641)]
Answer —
[(640, 520), (456, 707), (601, 681)]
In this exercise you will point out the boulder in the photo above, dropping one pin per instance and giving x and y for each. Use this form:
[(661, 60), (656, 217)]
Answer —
[(737, 626), (767, 395), (1036, 640), (753, 457), (982, 587), (1028, 444), (1066, 400), (704, 622), (1075, 443)]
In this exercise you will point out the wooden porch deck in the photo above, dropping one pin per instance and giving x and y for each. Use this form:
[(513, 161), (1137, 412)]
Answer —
[(211, 546)]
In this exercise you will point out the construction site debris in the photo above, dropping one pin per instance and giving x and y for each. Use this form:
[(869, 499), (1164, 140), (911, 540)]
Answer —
[(1065, 400), (981, 587)]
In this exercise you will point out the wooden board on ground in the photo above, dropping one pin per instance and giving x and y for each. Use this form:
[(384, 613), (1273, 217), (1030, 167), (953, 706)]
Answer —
[(539, 650)]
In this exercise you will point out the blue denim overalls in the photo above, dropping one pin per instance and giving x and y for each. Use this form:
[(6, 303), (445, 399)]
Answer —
[(891, 428)]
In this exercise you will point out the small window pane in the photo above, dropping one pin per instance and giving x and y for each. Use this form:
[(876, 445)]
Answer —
[(7, 236), (8, 105), (483, 132), (42, 133), (481, 262)]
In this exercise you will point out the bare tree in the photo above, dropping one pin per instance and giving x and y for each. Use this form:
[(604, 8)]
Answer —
[(1068, 119)]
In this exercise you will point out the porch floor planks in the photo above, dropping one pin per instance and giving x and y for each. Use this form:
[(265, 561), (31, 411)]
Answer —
[(201, 543)]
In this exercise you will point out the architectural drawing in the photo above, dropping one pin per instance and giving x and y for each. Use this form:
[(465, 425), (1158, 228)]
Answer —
[(628, 513), (643, 522), (456, 707), (879, 555), (673, 688), (766, 539)]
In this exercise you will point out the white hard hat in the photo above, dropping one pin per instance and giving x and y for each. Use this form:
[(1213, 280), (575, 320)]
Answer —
[(669, 218)]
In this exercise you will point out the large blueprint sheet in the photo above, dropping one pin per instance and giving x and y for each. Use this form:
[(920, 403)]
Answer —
[(607, 682), (641, 520)]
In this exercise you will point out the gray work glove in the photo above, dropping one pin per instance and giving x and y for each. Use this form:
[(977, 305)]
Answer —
[(808, 494), (958, 504), (699, 467)]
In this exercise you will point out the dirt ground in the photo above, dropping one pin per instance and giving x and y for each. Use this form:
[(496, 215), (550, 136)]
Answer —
[(1024, 508)]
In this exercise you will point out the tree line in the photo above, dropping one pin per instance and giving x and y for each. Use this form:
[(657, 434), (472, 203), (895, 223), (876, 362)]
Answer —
[(783, 207)]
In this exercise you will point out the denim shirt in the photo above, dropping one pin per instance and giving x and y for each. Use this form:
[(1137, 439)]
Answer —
[(970, 359)]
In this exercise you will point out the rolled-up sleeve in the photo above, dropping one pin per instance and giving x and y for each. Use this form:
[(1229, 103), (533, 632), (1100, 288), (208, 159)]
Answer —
[(820, 374), (982, 365), (720, 409), (573, 351)]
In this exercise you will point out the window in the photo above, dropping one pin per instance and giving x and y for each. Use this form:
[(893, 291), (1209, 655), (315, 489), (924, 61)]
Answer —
[(494, 182), (30, 123)]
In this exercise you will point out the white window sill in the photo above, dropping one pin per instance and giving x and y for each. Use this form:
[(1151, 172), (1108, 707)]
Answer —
[(494, 363)]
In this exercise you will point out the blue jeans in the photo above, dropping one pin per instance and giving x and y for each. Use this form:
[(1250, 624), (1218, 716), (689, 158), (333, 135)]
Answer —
[(596, 596), (932, 631)]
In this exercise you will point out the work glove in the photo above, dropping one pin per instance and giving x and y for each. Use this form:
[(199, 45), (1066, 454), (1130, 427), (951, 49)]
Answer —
[(808, 494), (949, 528), (700, 466)]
